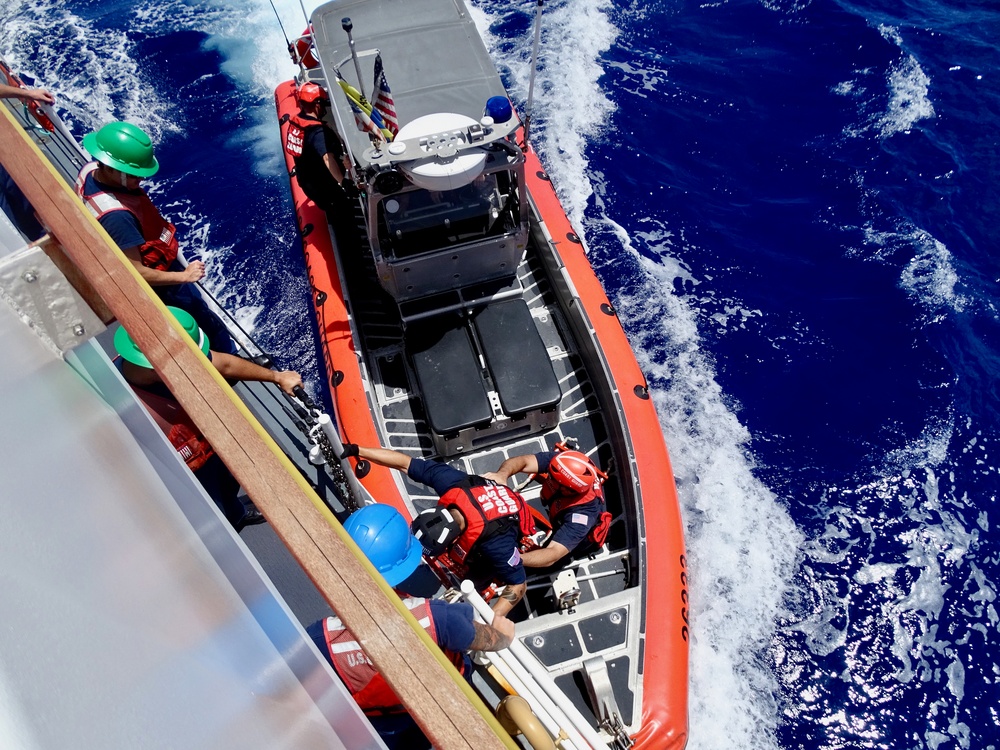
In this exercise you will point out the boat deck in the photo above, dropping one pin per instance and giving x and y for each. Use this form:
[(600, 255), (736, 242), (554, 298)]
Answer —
[(578, 416)]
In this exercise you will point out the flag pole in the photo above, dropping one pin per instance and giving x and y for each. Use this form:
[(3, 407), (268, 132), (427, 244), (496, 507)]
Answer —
[(534, 69)]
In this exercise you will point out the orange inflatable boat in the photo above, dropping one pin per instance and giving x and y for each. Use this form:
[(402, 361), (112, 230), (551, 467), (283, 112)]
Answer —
[(460, 319)]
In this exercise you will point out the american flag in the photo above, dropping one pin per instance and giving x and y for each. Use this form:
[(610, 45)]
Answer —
[(382, 98)]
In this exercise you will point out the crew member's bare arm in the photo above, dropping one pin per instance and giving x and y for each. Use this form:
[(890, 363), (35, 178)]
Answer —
[(508, 598), (526, 464), (194, 271), (385, 457), (545, 556), (38, 95), (237, 368), (334, 166), (493, 637)]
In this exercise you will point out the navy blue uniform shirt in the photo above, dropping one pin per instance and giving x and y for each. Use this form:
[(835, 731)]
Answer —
[(313, 175), (123, 227), (497, 556)]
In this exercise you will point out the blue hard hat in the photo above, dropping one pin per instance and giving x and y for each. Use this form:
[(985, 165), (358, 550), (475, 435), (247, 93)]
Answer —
[(384, 536), (498, 107)]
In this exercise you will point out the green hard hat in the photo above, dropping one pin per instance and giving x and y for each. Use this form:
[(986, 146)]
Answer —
[(126, 347), (123, 146)]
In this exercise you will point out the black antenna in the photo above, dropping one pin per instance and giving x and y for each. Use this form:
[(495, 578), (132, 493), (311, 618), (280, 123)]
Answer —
[(280, 25), (347, 26)]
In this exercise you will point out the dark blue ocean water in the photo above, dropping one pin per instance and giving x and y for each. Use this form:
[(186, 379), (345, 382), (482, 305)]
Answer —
[(792, 204)]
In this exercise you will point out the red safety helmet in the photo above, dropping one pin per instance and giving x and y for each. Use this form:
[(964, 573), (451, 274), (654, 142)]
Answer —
[(312, 92), (575, 472), (437, 529)]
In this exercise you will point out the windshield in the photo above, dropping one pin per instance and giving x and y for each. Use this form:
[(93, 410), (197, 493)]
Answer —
[(416, 220)]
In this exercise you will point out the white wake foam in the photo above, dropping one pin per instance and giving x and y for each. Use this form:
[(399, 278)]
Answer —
[(259, 67), (909, 91), (901, 100), (742, 544), (91, 70), (929, 276), (569, 108), (909, 98), (907, 545)]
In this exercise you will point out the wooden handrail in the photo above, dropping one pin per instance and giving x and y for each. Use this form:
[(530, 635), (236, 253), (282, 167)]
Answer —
[(437, 697)]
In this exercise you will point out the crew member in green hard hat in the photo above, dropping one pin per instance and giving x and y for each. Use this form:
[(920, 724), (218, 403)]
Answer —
[(384, 536), (179, 428), (110, 187)]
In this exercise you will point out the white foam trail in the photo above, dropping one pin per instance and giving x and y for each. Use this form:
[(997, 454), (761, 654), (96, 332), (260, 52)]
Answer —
[(741, 543), (569, 108), (929, 276), (909, 99), (257, 68), (909, 88), (98, 78), (260, 66), (934, 526)]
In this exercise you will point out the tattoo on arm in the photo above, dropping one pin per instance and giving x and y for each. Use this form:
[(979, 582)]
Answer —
[(488, 638)]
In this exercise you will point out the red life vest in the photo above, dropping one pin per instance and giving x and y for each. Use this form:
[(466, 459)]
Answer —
[(159, 248), (556, 503), (370, 690), (175, 423), (296, 133), (485, 509)]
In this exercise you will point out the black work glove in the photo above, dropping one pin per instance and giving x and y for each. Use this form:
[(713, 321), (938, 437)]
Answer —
[(350, 189), (350, 451)]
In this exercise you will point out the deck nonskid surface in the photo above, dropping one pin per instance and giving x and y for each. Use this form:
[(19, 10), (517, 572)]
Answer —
[(402, 417)]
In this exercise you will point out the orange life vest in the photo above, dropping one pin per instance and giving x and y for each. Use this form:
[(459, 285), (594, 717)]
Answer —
[(557, 502), (175, 423), (486, 509), (369, 689), (159, 248)]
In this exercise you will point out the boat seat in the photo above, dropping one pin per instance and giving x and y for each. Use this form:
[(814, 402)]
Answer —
[(449, 374), (517, 359)]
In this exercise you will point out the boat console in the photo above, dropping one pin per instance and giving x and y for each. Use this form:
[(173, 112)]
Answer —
[(447, 232), (439, 224)]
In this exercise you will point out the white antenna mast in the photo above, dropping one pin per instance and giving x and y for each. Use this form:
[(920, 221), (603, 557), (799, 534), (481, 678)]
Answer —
[(534, 68)]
